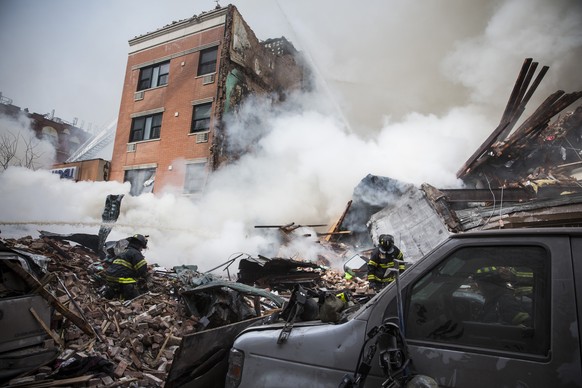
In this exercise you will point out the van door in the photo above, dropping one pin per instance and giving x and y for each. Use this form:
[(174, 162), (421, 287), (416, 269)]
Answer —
[(485, 314), (577, 263)]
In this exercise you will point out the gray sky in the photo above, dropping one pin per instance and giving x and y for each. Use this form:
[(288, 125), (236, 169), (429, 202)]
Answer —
[(70, 55), (377, 59)]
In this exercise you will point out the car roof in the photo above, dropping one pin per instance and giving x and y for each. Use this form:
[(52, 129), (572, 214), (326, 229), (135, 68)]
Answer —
[(571, 231)]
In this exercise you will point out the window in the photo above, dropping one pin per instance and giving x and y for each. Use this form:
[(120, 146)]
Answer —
[(50, 134), (201, 117), (142, 180), (195, 177), (152, 76), (146, 127), (489, 298), (207, 63), (74, 143)]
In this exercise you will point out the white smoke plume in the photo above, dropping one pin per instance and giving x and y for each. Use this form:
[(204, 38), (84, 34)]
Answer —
[(408, 91), (402, 56), (19, 145)]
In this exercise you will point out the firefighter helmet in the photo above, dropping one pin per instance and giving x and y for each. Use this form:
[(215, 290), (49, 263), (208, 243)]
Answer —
[(490, 274), (140, 240), (385, 242)]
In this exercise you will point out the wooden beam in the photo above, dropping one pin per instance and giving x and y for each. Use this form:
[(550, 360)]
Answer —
[(45, 327), (73, 381), (523, 102), (515, 107), (33, 283), (335, 227)]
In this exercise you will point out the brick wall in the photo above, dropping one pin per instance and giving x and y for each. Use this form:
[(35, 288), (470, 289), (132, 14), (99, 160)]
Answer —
[(176, 98), (244, 67)]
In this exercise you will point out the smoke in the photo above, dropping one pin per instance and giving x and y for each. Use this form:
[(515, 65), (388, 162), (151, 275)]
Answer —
[(402, 56), (42, 197), (408, 91), (548, 32), (19, 145)]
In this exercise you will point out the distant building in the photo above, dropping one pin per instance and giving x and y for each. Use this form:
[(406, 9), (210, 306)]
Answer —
[(180, 82), (64, 136), (84, 170)]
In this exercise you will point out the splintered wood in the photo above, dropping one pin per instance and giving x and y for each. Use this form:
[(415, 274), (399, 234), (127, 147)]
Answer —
[(138, 338)]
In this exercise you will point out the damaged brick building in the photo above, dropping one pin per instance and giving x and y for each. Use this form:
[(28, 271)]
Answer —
[(65, 137), (181, 81)]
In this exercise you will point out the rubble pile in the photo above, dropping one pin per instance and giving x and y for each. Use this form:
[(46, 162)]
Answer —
[(138, 337), (337, 281), (125, 343)]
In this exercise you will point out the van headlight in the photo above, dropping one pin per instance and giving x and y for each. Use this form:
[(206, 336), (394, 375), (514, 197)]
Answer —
[(236, 360)]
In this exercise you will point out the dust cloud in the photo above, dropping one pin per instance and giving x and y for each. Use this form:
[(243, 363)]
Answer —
[(20, 147), (408, 91), (390, 58)]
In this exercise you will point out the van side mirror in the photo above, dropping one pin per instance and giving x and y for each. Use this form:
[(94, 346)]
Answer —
[(395, 360)]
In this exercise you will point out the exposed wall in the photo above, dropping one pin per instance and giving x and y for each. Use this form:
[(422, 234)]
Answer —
[(250, 67)]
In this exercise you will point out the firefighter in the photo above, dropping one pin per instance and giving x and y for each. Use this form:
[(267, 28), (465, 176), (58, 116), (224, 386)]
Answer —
[(127, 269), (382, 260), (501, 305)]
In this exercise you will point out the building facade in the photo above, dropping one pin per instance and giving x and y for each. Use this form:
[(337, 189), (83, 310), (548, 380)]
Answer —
[(180, 82), (65, 137)]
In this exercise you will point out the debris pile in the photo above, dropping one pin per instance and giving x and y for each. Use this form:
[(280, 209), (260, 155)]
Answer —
[(137, 337), (527, 173), (101, 342)]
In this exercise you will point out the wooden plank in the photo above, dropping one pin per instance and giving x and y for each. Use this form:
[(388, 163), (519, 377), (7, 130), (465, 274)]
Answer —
[(539, 120), (470, 164), (335, 227), (163, 347), (521, 108), (32, 282), (56, 383), (503, 126), (518, 99), (517, 87), (78, 307), (438, 201), (45, 327)]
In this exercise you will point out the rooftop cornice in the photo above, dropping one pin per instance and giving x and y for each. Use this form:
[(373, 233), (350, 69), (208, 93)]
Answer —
[(179, 25)]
